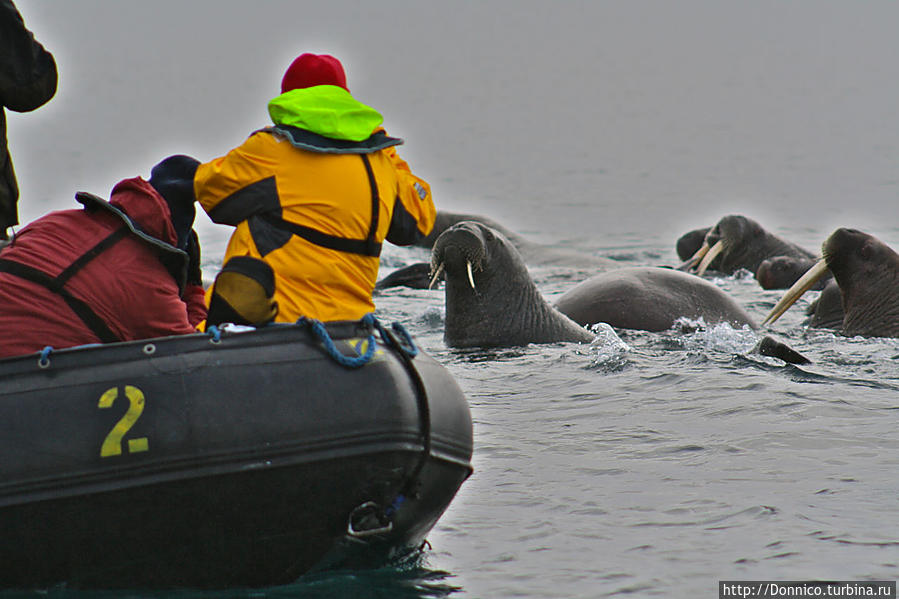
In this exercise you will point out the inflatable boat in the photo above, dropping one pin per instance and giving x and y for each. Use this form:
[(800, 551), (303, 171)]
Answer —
[(226, 459)]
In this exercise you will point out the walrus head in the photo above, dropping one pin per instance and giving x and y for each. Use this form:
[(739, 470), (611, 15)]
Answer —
[(737, 242), (728, 238), (463, 246), (867, 272), (780, 272), (491, 299)]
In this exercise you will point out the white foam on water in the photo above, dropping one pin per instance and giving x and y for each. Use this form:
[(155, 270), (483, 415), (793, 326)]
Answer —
[(719, 338), (607, 348)]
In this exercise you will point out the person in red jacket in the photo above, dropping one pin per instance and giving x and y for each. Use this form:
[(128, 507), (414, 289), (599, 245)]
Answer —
[(113, 271)]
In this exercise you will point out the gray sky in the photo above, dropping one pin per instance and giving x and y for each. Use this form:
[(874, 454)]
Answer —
[(684, 110)]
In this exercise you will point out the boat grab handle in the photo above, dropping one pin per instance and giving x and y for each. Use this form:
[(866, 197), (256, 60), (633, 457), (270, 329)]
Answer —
[(368, 512), (400, 340)]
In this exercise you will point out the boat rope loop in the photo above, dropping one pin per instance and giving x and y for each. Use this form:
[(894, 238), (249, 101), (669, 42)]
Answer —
[(397, 338), (214, 332), (319, 330), (402, 344), (43, 360)]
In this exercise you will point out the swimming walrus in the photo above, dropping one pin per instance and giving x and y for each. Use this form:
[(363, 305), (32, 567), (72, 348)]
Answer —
[(737, 242), (491, 299), (826, 312), (867, 272), (649, 298), (415, 275), (780, 272), (690, 242), (534, 254)]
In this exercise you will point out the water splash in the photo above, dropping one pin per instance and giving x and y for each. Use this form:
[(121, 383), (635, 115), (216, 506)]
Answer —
[(719, 338), (608, 350)]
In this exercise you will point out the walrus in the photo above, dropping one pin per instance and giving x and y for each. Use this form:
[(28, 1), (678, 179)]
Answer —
[(533, 253), (416, 276), (690, 242), (867, 272), (780, 272), (826, 312), (737, 242), (491, 299), (649, 298), (444, 220)]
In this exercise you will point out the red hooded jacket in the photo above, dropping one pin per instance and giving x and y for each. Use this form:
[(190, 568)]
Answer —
[(124, 282)]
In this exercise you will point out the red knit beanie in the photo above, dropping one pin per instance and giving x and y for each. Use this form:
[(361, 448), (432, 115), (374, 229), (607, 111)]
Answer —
[(308, 70)]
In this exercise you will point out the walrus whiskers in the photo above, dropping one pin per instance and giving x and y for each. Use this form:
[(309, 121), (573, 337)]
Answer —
[(805, 282)]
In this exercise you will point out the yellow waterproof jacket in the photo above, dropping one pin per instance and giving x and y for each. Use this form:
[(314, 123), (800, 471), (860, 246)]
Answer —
[(315, 196)]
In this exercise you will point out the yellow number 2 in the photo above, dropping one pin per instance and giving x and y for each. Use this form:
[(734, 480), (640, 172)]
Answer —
[(112, 445)]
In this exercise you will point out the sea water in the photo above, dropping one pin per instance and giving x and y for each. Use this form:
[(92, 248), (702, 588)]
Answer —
[(643, 464)]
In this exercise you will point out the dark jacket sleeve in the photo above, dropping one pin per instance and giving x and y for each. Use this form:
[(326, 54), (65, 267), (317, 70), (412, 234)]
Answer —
[(27, 70), (403, 227), (414, 211)]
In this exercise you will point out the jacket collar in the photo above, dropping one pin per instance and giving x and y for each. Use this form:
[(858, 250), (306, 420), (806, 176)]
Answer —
[(172, 258)]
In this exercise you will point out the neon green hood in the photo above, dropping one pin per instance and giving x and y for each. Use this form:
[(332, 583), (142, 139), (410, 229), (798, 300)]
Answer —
[(327, 110)]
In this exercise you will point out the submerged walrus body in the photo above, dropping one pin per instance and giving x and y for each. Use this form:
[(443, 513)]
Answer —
[(650, 299), (534, 254)]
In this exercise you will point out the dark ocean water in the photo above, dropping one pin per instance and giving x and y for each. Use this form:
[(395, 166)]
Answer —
[(651, 464)]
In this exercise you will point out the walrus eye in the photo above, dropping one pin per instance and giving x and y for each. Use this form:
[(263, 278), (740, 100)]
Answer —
[(865, 251)]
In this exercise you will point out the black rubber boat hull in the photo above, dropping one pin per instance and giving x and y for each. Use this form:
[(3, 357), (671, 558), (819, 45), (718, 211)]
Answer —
[(247, 461)]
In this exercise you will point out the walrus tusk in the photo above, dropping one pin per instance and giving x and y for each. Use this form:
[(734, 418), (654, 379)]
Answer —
[(692, 260), (805, 282), (470, 276), (436, 274), (713, 253)]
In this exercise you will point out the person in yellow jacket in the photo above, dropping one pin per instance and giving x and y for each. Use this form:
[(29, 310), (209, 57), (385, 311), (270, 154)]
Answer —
[(316, 194)]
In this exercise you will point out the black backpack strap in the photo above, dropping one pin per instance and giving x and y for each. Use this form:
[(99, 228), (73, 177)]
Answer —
[(375, 200), (73, 268), (366, 247), (57, 284)]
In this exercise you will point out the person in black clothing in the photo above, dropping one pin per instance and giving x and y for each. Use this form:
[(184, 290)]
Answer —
[(27, 81)]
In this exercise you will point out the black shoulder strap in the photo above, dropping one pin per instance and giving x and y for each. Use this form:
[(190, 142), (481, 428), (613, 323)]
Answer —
[(375, 199), (57, 284)]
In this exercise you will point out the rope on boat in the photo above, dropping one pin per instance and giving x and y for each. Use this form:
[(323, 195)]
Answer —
[(320, 331), (405, 346), (398, 338)]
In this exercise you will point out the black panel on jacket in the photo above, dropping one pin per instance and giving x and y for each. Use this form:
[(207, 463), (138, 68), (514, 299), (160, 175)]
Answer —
[(261, 196), (403, 226), (267, 237)]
